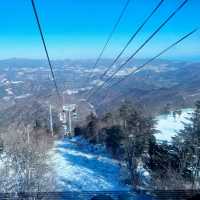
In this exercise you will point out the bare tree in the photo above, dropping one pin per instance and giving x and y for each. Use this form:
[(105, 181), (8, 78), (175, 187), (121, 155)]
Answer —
[(24, 161)]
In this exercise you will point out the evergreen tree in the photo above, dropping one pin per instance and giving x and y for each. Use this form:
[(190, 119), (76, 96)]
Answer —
[(108, 119), (114, 138), (139, 131), (188, 142), (92, 128)]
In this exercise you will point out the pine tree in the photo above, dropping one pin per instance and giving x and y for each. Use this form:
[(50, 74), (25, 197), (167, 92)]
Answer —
[(114, 139), (139, 131), (92, 128), (188, 141)]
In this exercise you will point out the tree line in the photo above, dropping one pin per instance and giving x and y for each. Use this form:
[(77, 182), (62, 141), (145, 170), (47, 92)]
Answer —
[(129, 134)]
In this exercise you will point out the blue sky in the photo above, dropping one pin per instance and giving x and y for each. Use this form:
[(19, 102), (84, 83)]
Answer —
[(79, 28)]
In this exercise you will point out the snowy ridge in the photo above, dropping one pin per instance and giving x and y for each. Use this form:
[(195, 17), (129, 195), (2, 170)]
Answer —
[(84, 167)]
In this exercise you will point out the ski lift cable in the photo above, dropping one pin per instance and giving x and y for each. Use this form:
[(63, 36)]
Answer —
[(149, 61), (109, 38), (130, 40), (46, 51), (139, 49)]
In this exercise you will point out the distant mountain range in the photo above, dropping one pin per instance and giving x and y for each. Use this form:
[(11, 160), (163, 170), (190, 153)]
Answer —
[(160, 83), (24, 62)]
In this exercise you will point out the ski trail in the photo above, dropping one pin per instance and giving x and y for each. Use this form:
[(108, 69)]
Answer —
[(84, 167)]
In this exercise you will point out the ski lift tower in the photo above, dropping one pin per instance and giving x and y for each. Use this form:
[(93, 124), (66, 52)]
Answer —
[(69, 109)]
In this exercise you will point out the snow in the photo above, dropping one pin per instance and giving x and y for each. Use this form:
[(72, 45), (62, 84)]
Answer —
[(70, 92), (23, 96), (143, 174), (195, 94), (9, 91), (97, 82), (16, 82), (4, 81), (168, 126), (6, 98), (84, 89), (79, 166), (125, 72)]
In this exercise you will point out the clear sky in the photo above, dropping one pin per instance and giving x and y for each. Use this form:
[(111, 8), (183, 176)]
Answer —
[(79, 28)]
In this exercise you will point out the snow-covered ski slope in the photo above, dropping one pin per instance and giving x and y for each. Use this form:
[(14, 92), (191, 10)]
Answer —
[(168, 126), (80, 166)]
